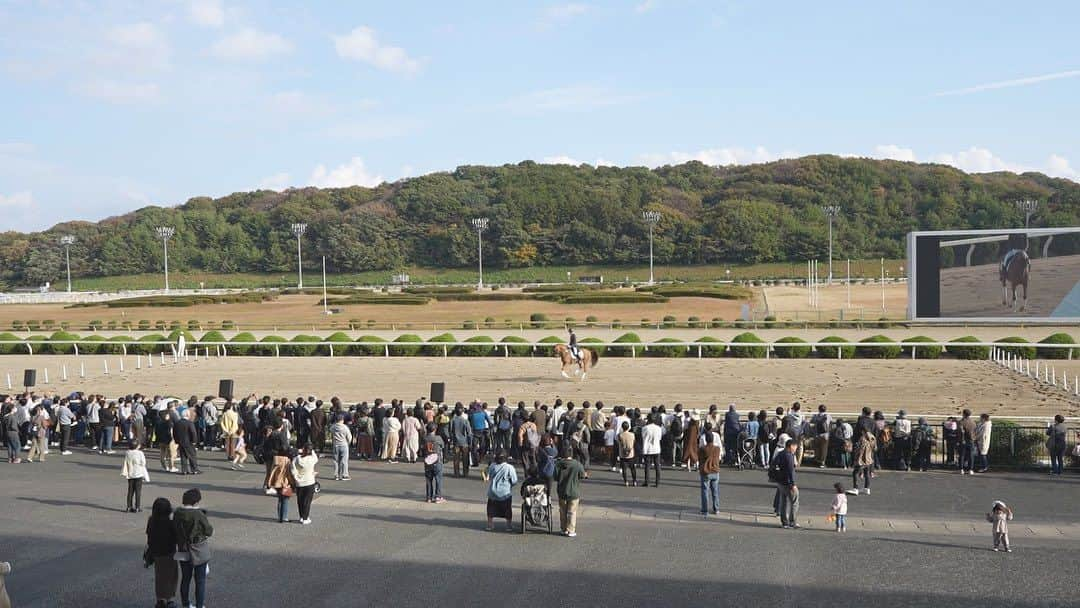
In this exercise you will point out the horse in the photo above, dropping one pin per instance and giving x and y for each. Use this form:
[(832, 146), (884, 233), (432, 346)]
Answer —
[(1014, 272), (589, 359)]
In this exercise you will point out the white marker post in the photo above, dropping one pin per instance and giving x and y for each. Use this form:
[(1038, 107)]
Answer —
[(8, 381), (82, 370), (63, 372), (106, 367), (46, 370)]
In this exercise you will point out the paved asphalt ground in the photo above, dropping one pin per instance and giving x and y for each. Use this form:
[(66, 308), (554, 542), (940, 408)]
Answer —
[(919, 540)]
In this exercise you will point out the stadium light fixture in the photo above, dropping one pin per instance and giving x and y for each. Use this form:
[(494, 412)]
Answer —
[(299, 229), (1028, 207), (480, 224), (831, 211), (165, 233), (652, 218), (67, 241)]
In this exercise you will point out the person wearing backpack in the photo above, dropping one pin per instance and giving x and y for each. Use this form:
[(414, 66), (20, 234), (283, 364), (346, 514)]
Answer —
[(922, 440), (675, 432), (432, 452), (821, 423), (503, 425), (529, 440)]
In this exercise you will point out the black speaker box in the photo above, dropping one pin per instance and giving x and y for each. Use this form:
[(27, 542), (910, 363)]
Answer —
[(225, 389), (29, 378), (438, 392)]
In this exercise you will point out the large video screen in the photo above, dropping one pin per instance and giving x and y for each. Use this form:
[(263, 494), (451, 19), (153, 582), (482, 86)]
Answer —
[(992, 275)]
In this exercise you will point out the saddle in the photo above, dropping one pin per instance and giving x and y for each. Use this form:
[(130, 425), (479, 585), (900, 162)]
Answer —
[(1009, 257)]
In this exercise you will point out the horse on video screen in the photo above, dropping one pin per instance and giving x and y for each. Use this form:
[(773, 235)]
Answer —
[(1014, 272), (589, 358)]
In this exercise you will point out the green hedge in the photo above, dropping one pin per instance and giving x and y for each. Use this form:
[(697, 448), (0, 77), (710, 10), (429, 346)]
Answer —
[(799, 349), (724, 292), (145, 348), (613, 298), (630, 339), (174, 336), (1058, 353), (213, 336), (439, 290), (370, 350), (90, 345), (271, 347), (1027, 352), (240, 350), (485, 347), (591, 344), (922, 352), (299, 346), (710, 351), (516, 351), (61, 349), (9, 349), (877, 352), (365, 299), (548, 351), (403, 346), (748, 351), (843, 350), (339, 338), (435, 350), (958, 349), (1012, 446), (667, 351)]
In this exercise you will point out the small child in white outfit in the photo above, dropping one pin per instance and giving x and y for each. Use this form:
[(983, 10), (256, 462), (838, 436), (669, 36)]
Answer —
[(999, 516), (839, 508)]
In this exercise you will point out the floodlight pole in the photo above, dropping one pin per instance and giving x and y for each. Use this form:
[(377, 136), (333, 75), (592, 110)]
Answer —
[(652, 218), (299, 229), (831, 211), (1029, 207), (480, 224), (67, 241), (165, 233)]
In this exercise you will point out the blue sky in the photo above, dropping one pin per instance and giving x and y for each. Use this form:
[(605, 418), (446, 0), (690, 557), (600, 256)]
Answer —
[(106, 107)]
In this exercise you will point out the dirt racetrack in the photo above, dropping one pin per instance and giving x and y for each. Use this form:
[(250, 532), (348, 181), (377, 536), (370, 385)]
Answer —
[(975, 291), (920, 387)]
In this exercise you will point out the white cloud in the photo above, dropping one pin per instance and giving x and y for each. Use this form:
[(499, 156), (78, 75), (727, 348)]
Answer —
[(249, 44), (207, 13), (566, 11), (120, 92), (22, 199), (570, 99), (1060, 167), (277, 181), (362, 45), (134, 46), (563, 159), (894, 152), (353, 173), (644, 7), (1004, 84), (977, 160), (716, 156)]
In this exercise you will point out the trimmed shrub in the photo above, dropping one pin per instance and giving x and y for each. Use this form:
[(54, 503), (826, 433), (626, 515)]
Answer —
[(300, 346), (144, 325), (468, 325), (213, 336), (435, 350), (843, 350), (716, 323), (193, 325), (922, 352), (271, 346), (646, 322), (339, 337), (228, 325), (1014, 446), (403, 346), (1058, 353), (369, 350), (798, 348), (958, 350), (145, 348), (711, 351), (7, 349), (485, 347), (38, 343), (748, 351), (90, 345), (667, 351), (669, 321), (626, 351), (239, 350), (591, 343), (877, 352), (538, 319), (62, 349), (114, 346), (612, 298), (548, 351), (174, 336), (1027, 352), (516, 351)]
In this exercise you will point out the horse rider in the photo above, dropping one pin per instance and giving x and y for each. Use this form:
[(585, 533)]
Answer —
[(574, 351), (1017, 243)]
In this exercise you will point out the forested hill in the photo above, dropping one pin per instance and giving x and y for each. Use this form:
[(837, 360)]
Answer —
[(556, 214)]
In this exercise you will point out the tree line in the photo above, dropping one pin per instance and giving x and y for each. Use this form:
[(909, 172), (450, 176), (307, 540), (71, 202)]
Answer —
[(557, 215)]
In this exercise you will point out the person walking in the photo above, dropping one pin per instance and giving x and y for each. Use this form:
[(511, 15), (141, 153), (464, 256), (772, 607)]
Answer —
[(340, 440), (999, 517), (304, 472), (501, 480), (789, 491), (161, 550), (239, 448), (1056, 443), (709, 457), (627, 455), (865, 448), (134, 471), (432, 452), (568, 475), (982, 443), (651, 434), (193, 533), (461, 438)]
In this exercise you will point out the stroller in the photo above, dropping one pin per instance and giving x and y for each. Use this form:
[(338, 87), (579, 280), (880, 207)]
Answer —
[(745, 452), (535, 505)]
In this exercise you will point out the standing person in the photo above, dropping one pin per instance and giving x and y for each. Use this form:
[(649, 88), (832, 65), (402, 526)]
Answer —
[(676, 427), (304, 473), (391, 436), (528, 440), (239, 448), (709, 455), (844, 435), (950, 430), (1057, 434), (210, 418), (865, 448), (432, 451), (504, 424), (93, 421), (134, 470), (365, 435), (461, 437), (982, 443), (902, 440), (922, 441), (793, 426), (568, 476), (229, 422), (650, 448), (789, 492), (39, 430), (839, 507), (690, 444), (545, 461), (11, 434), (317, 421), (501, 480), (731, 434), (161, 548), (999, 517), (412, 428), (627, 458), (193, 532), (821, 426), (65, 419), (967, 443), (107, 416), (167, 448), (186, 437), (340, 440)]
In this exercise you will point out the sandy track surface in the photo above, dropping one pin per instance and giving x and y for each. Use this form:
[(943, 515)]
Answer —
[(976, 290), (940, 387)]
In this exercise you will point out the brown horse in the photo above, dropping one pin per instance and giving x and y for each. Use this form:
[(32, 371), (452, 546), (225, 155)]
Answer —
[(589, 358), (1013, 275)]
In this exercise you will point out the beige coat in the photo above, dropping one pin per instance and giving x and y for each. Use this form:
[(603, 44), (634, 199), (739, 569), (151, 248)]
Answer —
[(982, 436)]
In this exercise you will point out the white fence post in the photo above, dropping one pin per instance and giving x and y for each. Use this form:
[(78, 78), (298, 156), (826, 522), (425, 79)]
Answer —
[(46, 370), (63, 372), (82, 372), (106, 362), (121, 365)]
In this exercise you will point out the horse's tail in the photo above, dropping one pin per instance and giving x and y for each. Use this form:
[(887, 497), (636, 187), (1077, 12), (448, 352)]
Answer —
[(595, 357)]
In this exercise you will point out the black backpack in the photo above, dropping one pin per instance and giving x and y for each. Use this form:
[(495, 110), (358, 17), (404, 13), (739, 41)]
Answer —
[(676, 429), (821, 425), (774, 469)]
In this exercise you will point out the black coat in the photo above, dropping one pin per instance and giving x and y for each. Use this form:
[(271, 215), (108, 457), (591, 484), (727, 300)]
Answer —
[(184, 433)]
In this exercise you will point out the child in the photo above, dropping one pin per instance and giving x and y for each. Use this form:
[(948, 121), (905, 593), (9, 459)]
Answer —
[(999, 517), (839, 508), (239, 450), (609, 443), (134, 470)]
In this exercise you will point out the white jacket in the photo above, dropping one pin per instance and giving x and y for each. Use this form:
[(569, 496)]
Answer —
[(650, 439), (982, 436), (134, 466)]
